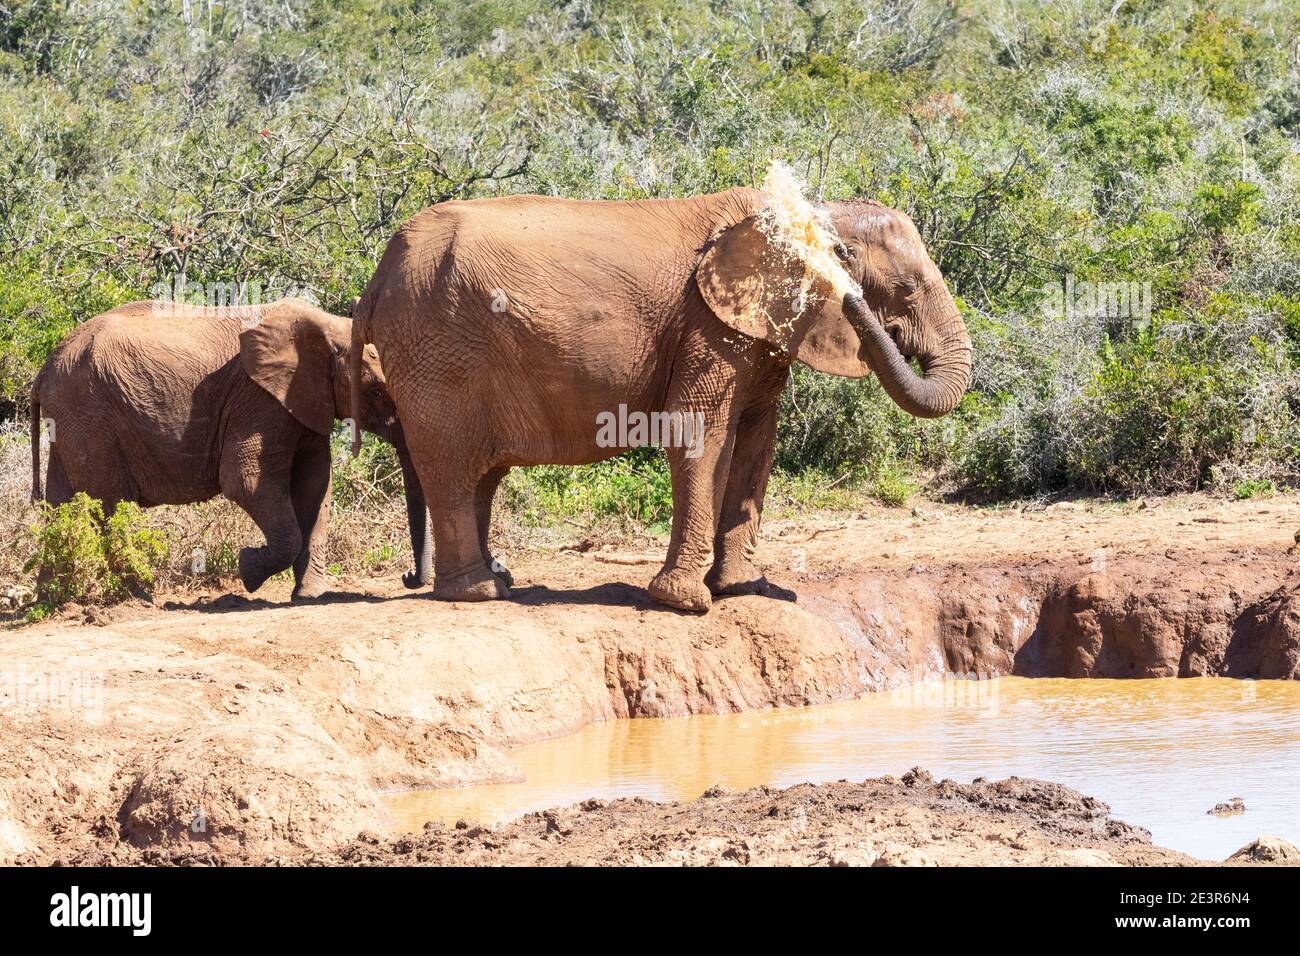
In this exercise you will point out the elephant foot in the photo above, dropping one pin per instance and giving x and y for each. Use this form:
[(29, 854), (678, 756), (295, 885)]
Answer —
[(744, 578), (680, 589), (252, 569), (477, 585), (312, 587)]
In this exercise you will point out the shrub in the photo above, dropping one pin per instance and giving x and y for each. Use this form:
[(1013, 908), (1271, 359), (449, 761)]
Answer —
[(132, 553), (35, 314), (80, 557), (69, 559), (283, 143), (893, 485), (635, 486), (1254, 488), (1155, 420)]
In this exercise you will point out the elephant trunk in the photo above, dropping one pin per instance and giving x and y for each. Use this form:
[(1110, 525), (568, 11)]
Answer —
[(417, 518), (945, 373)]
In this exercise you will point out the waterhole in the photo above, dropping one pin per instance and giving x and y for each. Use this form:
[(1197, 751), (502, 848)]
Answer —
[(1160, 752)]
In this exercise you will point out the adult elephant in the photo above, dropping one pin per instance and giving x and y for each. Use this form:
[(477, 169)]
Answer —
[(163, 403), (511, 328)]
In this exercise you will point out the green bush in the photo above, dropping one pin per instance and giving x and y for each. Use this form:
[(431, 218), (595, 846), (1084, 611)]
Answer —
[(1147, 142), (636, 486), (1254, 488), (373, 475), (893, 485), (132, 553), (1156, 420), (83, 558)]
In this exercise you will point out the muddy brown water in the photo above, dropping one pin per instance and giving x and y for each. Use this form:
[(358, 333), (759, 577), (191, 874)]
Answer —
[(1160, 752)]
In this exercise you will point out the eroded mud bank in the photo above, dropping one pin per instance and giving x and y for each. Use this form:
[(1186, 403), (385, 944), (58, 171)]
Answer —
[(255, 729)]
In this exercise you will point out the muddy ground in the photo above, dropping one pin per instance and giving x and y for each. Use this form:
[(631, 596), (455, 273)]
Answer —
[(908, 821), (222, 728)]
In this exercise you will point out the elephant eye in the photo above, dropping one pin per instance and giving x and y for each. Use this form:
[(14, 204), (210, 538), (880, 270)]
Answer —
[(842, 251)]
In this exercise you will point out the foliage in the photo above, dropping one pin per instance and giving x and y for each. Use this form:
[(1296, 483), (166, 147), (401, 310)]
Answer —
[(82, 557), (634, 487), (269, 145)]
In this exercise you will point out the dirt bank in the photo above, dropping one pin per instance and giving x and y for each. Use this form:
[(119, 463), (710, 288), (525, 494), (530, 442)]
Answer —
[(251, 729), (909, 821)]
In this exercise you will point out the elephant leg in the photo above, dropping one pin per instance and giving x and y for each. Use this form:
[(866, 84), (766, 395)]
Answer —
[(699, 479), (483, 495), (451, 485), (262, 488), (311, 488), (733, 570), (697, 498), (460, 572), (273, 513)]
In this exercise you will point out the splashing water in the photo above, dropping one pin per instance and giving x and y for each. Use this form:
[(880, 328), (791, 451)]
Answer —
[(791, 220)]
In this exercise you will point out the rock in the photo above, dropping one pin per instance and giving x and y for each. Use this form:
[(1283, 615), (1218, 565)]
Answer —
[(19, 595), (1268, 849), (1230, 809), (917, 777), (556, 824), (1136, 620), (1087, 856)]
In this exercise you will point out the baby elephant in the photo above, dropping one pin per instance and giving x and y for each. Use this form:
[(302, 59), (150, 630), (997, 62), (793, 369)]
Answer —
[(162, 403)]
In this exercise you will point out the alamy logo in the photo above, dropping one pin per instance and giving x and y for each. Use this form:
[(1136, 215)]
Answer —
[(1103, 300), (636, 429), (75, 908), (80, 692), (245, 297)]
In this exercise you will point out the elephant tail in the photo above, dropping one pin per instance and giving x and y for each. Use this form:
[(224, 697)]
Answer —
[(360, 339), (36, 441)]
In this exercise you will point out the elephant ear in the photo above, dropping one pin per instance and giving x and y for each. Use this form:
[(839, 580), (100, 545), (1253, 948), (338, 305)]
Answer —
[(289, 353), (756, 286)]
